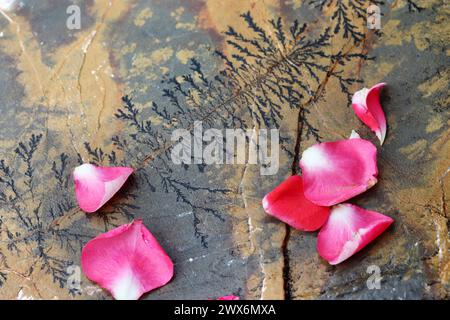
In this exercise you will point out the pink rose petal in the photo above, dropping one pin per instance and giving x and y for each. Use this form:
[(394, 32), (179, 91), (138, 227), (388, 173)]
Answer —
[(94, 186), (348, 230), (366, 104), (127, 261), (288, 203), (230, 297), (336, 171)]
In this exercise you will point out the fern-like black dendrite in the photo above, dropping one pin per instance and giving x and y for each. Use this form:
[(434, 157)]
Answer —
[(3, 264), (266, 73)]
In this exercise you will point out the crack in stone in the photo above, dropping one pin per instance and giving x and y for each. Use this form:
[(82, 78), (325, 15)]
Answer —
[(85, 50)]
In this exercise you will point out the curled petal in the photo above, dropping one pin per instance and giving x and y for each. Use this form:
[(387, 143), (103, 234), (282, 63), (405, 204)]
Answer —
[(288, 203), (348, 230), (127, 261), (230, 297), (94, 186), (366, 104), (337, 171)]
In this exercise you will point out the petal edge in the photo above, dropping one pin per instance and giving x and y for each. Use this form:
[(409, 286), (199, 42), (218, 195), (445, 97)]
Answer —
[(95, 185)]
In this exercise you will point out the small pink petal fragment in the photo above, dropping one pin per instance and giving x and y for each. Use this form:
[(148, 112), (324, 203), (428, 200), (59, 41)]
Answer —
[(94, 186), (366, 104), (127, 261), (337, 171), (230, 297), (348, 230), (288, 203)]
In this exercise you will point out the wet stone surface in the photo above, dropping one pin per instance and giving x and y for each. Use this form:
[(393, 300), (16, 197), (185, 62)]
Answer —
[(112, 93)]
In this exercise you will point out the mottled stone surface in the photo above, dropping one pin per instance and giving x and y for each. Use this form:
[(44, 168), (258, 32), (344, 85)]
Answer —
[(112, 93)]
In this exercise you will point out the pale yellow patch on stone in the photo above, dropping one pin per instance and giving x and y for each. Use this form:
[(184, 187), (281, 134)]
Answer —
[(76, 95), (156, 120), (152, 76), (194, 99), (144, 61), (439, 28), (164, 70), (141, 61), (197, 78)]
